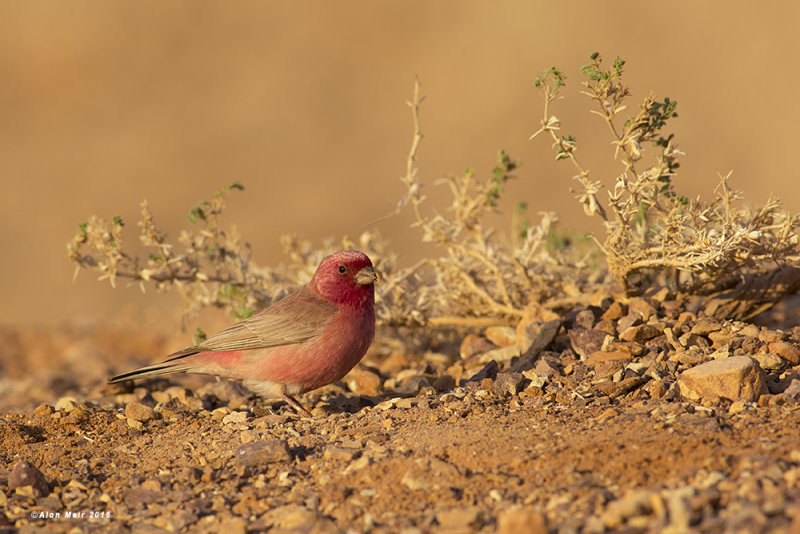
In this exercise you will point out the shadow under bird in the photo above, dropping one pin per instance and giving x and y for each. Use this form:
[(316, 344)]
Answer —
[(305, 341)]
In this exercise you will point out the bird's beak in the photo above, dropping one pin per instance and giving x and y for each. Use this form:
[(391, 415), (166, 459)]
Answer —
[(366, 276)]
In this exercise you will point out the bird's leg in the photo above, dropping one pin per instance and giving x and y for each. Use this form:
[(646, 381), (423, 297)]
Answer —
[(296, 405)]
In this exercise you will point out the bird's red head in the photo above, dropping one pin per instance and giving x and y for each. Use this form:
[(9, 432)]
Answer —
[(346, 277)]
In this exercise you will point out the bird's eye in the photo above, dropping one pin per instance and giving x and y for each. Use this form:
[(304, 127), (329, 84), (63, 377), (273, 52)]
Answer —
[(342, 269)]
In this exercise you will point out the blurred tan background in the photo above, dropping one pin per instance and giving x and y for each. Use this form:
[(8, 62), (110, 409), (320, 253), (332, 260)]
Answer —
[(105, 104)]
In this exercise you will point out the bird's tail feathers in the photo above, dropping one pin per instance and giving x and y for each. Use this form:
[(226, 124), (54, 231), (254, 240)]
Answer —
[(169, 366)]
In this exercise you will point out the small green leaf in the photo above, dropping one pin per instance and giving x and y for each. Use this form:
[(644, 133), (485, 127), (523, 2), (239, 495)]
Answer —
[(199, 336)]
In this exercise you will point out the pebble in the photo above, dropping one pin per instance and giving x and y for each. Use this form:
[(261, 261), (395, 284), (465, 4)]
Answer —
[(585, 342), (738, 406), (787, 351), (769, 361), (234, 417), (458, 518), (705, 326), (720, 339), (633, 503), (363, 381), (66, 404), (639, 333), (534, 337), (43, 409), (585, 319), (508, 383), (25, 474), (502, 336), (616, 311), (488, 371), (502, 354), (263, 452), (519, 519), (471, 345), (600, 356), (341, 453), (139, 497), (139, 412), (641, 307), (733, 378), (444, 382), (632, 319)]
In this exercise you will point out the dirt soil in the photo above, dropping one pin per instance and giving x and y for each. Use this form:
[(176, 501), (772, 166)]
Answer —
[(588, 431)]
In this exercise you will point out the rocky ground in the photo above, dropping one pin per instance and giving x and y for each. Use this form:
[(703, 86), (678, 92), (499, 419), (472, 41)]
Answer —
[(635, 415)]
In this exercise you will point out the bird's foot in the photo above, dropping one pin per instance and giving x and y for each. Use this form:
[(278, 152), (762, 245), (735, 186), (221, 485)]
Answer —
[(296, 405)]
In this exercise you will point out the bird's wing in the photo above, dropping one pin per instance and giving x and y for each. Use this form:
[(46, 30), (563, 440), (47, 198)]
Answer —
[(295, 319)]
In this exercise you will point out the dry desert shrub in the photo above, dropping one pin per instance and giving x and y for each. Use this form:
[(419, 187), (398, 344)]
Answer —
[(481, 276), (743, 259)]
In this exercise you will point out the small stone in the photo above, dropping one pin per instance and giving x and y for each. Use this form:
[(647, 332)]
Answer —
[(633, 503), (407, 403), (607, 326), (639, 333), (414, 479), (220, 413), (720, 339), (172, 410), (136, 497), (585, 342), (733, 378), (771, 336), (441, 468), (263, 452), (615, 312), (296, 518), (641, 307), (793, 391), (43, 410), (66, 404), (705, 326), (769, 361), (750, 330), (787, 351), (413, 384), (632, 319), (534, 337), (546, 369), (508, 383), (24, 474), (444, 382), (363, 381), (738, 407), (458, 518), (657, 389), (134, 424), (521, 519), (631, 347), (502, 354), (473, 344), (152, 485), (346, 454), (139, 412), (388, 404), (234, 417), (488, 371), (601, 357), (502, 336), (585, 319)]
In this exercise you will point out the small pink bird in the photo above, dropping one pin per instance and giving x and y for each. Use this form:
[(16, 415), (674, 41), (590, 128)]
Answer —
[(309, 339)]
